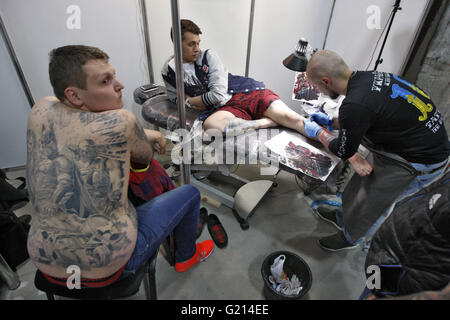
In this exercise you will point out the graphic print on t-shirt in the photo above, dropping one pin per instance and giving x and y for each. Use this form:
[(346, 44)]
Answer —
[(398, 91)]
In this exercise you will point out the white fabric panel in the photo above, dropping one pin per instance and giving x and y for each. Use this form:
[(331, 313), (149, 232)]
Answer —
[(278, 25), (36, 27), (14, 110), (353, 37)]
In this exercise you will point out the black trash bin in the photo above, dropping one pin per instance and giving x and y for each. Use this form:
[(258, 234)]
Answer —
[(292, 265)]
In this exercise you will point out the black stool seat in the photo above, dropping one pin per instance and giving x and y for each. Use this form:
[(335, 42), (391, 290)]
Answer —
[(122, 288)]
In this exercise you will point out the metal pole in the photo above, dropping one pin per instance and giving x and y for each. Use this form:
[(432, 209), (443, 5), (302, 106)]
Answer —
[(13, 56), (147, 41), (329, 24), (185, 167), (394, 11), (250, 35)]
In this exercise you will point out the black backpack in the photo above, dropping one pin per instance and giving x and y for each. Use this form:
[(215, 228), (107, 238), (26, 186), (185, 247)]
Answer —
[(10, 195), (13, 230), (13, 239)]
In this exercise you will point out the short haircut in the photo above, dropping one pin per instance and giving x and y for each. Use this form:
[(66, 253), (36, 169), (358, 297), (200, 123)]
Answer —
[(66, 67), (326, 63), (187, 26)]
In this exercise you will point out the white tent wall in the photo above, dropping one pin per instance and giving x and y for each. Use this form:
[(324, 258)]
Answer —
[(14, 110), (36, 27), (278, 25), (354, 36), (224, 26)]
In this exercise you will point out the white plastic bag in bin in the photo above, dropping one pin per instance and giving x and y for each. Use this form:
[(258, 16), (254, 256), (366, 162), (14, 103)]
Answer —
[(280, 281), (277, 269)]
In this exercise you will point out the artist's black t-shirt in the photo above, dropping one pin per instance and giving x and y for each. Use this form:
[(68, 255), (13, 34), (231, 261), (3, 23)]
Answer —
[(396, 116)]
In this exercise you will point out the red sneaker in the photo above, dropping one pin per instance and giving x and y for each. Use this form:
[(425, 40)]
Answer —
[(204, 249)]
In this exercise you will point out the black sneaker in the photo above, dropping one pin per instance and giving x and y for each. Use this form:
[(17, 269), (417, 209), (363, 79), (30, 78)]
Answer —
[(217, 231), (328, 216), (336, 242), (202, 221)]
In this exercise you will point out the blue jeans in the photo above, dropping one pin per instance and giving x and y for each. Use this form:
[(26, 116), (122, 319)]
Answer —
[(416, 185), (365, 294), (177, 211)]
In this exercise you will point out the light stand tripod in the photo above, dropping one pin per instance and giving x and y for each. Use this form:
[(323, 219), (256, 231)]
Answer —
[(394, 11)]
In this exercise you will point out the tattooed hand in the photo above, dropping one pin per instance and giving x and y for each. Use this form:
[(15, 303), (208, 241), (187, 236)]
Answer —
[(157, 140)]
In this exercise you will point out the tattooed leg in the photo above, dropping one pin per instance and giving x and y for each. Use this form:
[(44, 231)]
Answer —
[(279, 112), (228, 124), (237, 126)]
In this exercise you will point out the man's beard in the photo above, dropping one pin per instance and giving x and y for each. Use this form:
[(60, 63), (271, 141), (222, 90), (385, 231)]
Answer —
[(334, 95)]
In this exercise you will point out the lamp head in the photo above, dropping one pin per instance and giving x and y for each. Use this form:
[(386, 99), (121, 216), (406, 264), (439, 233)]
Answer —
[(298, 61)]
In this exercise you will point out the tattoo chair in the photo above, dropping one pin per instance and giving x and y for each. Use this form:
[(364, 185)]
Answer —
[(159, 111), (122, 288)]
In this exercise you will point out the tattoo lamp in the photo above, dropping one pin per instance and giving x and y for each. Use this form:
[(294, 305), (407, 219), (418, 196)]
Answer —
[(298, 61)]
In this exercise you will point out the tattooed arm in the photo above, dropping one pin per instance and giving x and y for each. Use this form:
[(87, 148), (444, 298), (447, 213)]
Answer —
[(140, 146), (157, 140)]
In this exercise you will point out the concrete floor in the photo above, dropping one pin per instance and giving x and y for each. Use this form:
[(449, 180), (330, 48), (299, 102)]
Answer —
[(283, 221)]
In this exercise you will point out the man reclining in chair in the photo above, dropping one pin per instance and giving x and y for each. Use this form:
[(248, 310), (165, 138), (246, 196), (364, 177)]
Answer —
[(79, 148), (232, 104)]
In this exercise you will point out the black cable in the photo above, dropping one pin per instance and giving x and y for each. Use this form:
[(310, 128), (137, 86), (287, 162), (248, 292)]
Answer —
[(329, 24)]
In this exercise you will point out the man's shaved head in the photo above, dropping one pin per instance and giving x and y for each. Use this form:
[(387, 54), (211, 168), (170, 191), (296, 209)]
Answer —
[(329, 72), (326, 63)]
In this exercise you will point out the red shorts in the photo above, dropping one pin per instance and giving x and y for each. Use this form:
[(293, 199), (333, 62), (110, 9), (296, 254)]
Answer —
[(250, 105)]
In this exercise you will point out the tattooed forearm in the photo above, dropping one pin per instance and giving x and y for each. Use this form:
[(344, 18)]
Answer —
[(31, 163), (325, 137), (141, 150), (140, 132)]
